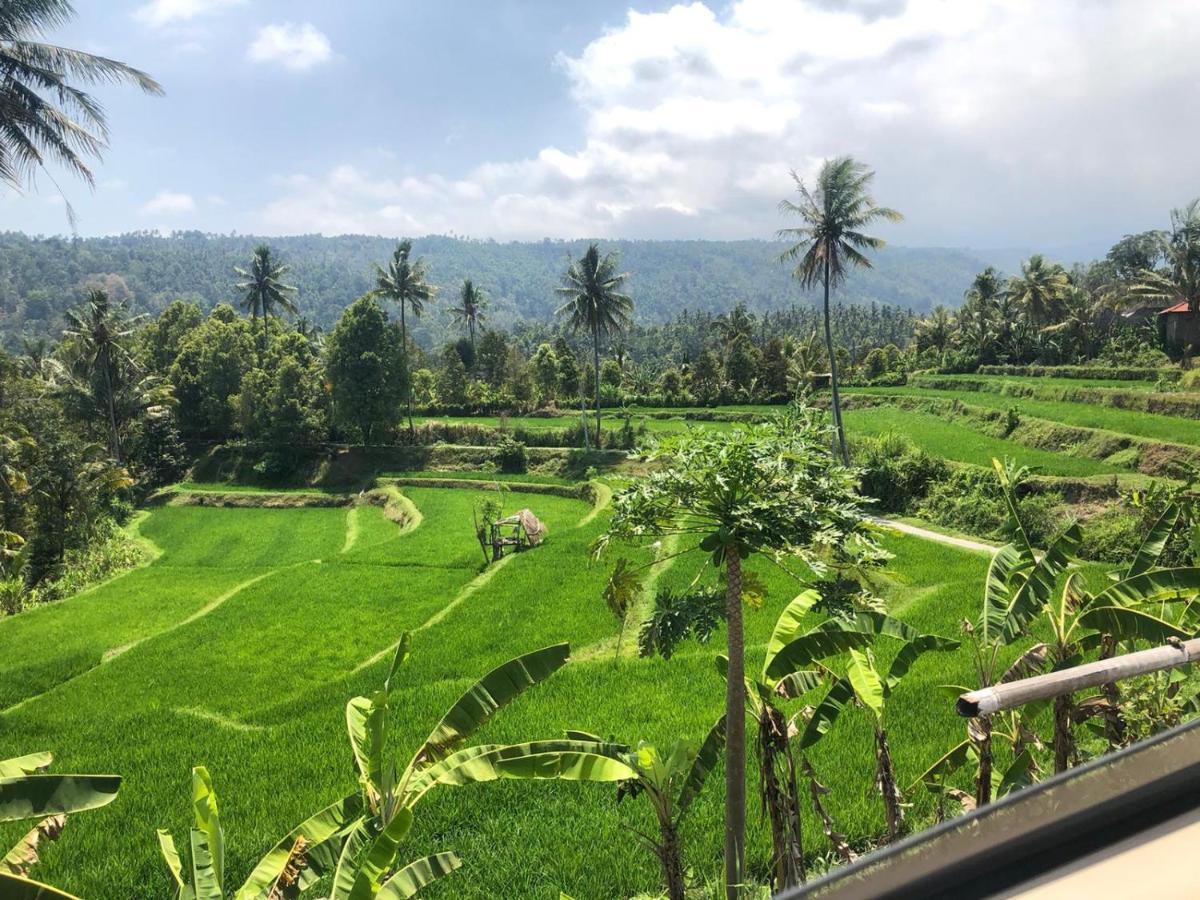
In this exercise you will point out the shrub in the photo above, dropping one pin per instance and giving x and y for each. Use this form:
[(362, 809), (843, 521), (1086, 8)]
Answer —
[(510, 455), (1113, 373), (970, 500), (895, 472)]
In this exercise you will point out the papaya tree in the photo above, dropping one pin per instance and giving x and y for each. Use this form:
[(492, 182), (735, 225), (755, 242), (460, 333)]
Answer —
[(29, 792), (864, 683), (770, 488), (671, 780)]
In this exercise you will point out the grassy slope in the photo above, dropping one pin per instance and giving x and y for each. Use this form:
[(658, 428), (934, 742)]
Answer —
[(255, 690), (1175, 429), (953, 440)]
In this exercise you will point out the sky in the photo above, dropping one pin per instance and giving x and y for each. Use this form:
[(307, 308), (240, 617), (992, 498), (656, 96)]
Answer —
[(990, 123)]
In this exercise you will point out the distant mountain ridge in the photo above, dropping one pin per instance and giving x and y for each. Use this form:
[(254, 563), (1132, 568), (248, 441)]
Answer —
[(40, 277)]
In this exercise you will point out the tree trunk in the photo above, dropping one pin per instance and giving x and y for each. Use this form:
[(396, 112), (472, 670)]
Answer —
[(781, 798), (1063, 744), (264, 332), (1114, 722), (735, 730), (114, 434), (983, 780), (407, 373), (840, 433), (596, 367), (670, 854), (885, 780)]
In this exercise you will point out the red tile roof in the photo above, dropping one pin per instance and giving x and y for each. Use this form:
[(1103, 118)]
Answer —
[(1177, 308)]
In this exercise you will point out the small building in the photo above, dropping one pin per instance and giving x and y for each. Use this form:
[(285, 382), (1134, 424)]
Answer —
[(1179, 326)]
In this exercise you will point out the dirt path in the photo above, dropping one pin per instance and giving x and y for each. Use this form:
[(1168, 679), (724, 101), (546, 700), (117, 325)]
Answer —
[(936, 536)]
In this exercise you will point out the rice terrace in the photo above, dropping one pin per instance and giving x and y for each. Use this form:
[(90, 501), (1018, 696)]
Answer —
[(676, 517)]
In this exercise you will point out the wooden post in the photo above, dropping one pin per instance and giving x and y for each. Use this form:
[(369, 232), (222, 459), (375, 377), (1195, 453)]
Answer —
[(1042, 687)]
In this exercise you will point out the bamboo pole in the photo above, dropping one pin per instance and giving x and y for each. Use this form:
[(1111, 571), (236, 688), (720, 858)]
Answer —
[(1042, 687)]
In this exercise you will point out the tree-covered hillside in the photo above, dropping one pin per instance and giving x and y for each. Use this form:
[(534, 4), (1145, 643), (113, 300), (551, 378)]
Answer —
[(40, 278)]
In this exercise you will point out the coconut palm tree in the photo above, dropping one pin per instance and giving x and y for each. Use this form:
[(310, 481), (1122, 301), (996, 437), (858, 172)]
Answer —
[(263, 289), (834, 213), (1039, 289), (977, 321), (100, 332), (404, 282), (44, 116), (594, 303), (1181, 249), (471, 303)]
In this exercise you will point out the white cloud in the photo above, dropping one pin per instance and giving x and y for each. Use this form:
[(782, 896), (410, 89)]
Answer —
[(294, 46), (1018, 119), (165, 12), (168, 203)]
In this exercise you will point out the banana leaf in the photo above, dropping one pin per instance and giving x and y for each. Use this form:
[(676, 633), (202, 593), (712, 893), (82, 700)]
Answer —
[(416, 875), (787, 626), (323, 834), (1126, 624), (908, 654), (208, 822), (1151, 549), (381, 857), (206, 881), (14, 887), (24, 854), (170, 855), (1151, 587), (38, 796), (866, 683), (31, 764), (496, 689), (946, 765), (821, 643), (839, 695), (706, 759)]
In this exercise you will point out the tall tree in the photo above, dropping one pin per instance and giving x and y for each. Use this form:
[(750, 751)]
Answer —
[(1180, 247), (471, 303), (100, 333), (1039, 289), (362, 362), (405, 283), (263, 288), (834, 213), (44, 116), (977, 321), (594, 303), (770, 489)]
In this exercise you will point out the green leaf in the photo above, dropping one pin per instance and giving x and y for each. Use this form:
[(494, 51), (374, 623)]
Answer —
[(352, 848), (706, 759), (416, 875), (1038, 587), (1005, 565), (206, 881), (323, 833), (840, 694), (865, 681), (797, 684), (381, 857), (496, 689), (821, 643), (403, 652), (366, 724), (1151, 549), (31, 764), (1126, 624), (1154, 586), (787, 626), (170, 855), (38, 796), (1018, 775), (208, 821), (908, 654), (947, 764), (13, 887)]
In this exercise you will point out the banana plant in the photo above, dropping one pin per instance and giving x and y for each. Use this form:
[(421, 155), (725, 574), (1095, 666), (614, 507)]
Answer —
[(779, 793), (295, 863), (29, 791), (671, 780), (864, 683), (389, 794)]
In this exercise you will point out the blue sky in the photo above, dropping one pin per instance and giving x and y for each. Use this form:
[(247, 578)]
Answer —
[(990, 123)]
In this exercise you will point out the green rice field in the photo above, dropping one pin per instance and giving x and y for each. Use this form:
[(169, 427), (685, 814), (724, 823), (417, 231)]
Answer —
[(238, 646)]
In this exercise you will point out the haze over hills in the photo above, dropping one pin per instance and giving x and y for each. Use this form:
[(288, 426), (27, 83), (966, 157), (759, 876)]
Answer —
[(40, 277)]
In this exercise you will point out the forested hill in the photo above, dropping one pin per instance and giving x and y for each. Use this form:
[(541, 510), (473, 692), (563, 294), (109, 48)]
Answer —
[(39, 277)]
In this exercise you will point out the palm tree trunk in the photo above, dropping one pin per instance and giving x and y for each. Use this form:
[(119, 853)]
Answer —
[(885, 780), (983, 779), (671, 856), (1063, 744), (840, 433), (407, 374), (735, 730), (596, 370), (114, 435), (264, 331)]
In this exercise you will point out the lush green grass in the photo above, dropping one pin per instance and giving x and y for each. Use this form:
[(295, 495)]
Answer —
[(1063, 382), (612, 421), (531, 477), (1174, 429), (255, 689), (956, 441), (222, 487)]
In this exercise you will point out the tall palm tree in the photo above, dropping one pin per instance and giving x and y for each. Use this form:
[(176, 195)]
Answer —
[(834, 213), (100, 332), (977, 320), (404, 282), (1039, 289), (44, 116), (594, 303), (263, 289), (1181, 249), (936, 330), (471, 303)]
